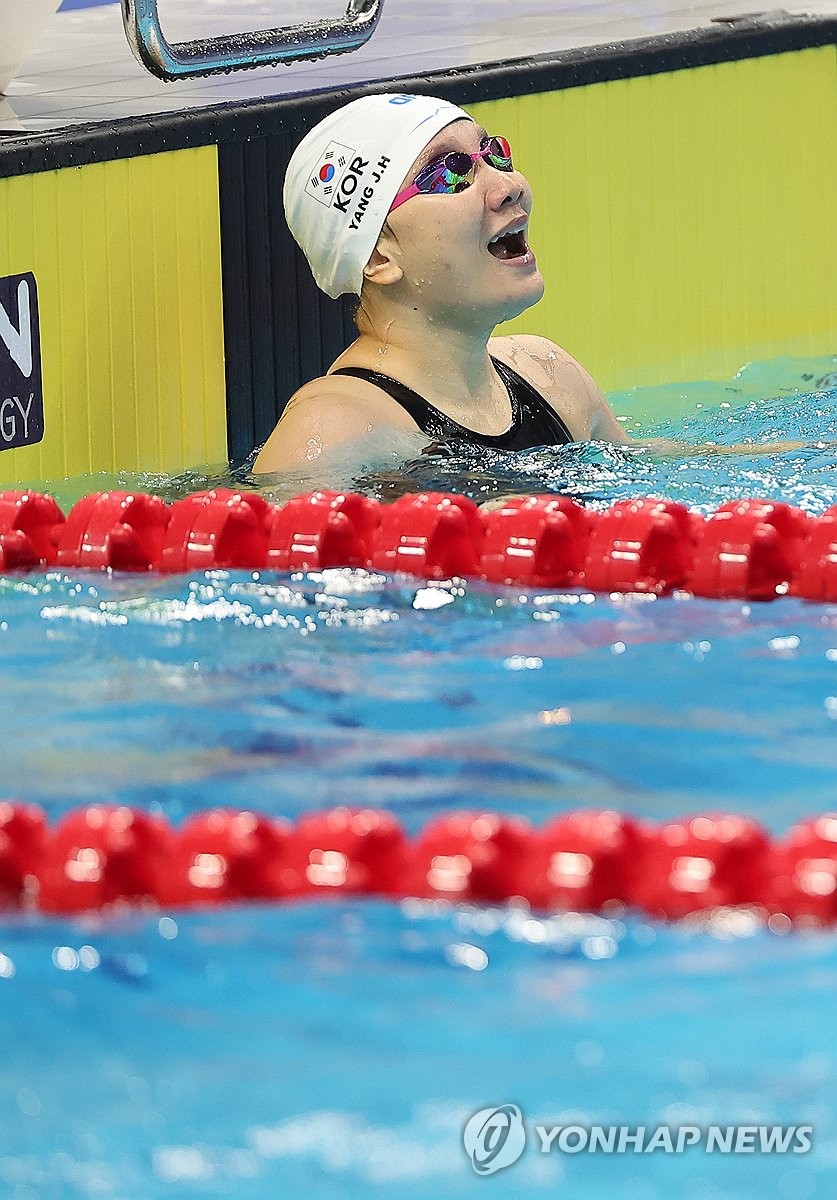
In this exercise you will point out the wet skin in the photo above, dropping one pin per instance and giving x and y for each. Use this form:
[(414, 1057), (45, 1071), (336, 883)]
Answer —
[(436, 286)]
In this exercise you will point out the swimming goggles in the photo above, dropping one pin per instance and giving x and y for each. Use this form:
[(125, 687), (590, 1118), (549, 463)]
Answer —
[(454, 171)]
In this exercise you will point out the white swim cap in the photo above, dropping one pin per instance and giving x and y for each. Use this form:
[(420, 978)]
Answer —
[(345, 174)]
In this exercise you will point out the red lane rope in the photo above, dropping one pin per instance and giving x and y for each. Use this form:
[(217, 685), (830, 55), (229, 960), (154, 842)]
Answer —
[(747, 549), (589, 860)]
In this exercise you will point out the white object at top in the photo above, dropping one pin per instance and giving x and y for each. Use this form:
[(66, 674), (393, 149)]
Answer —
[(21, 24)]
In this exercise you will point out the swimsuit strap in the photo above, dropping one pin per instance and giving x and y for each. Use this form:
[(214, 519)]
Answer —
[(534, 421)]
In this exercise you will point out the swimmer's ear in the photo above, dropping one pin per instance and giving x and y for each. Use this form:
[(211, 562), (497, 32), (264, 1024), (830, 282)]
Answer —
[(382, 267)]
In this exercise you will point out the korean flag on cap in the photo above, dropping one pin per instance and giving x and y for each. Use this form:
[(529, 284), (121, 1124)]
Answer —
[(330, 169)]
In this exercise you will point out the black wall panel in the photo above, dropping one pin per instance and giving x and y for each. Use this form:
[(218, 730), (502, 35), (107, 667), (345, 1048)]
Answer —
[(279, 329)]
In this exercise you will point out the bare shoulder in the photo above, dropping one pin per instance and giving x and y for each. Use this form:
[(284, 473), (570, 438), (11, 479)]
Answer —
[(330, 415), (564, 382), (544, 363)]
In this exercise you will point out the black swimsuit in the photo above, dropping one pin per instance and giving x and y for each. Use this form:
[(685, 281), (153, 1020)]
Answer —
[(534, 421)]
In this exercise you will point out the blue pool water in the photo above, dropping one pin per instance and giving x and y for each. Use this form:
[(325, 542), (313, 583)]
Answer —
[(336, 1049)]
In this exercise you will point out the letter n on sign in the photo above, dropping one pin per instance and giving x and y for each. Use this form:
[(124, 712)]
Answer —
[(21, 389)]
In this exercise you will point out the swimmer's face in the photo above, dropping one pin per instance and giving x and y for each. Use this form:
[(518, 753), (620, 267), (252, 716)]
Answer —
[(447, 244)]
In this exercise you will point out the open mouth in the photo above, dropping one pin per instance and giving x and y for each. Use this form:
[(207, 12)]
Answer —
[(510, 245)]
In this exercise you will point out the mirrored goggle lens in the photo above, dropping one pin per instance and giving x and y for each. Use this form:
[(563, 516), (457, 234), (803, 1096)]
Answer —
[(455, 171), (499, 153), (448, 174)]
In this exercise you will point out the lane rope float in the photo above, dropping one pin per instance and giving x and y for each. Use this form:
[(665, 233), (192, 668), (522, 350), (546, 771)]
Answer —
[(591, 860), (746, 549)]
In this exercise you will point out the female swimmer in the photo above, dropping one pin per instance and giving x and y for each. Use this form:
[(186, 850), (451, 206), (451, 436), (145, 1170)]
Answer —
[(406, 202)]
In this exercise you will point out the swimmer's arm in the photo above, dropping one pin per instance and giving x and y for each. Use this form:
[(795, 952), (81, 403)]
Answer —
[(604, 427), (590, 417), (602, 423), (571, 390), (306, 432), (667, 448), (322, 427)]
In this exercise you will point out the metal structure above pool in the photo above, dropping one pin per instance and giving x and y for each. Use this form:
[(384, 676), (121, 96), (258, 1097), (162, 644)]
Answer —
[(82, 70), (244, 51)]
